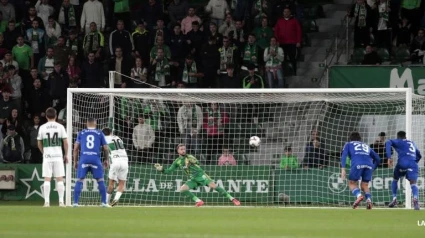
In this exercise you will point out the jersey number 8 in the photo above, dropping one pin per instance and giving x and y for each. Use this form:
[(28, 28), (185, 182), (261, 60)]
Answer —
[(90, 142)]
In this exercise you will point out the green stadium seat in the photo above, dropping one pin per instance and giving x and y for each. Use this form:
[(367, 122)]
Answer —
[(309, 25), (384, 54), (358, 55), (402, 54)]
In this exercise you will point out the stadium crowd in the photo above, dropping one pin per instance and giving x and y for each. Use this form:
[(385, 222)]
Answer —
[(49, 46)]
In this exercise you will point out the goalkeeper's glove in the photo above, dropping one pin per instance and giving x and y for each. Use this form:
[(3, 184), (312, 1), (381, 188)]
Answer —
[(158, 167)]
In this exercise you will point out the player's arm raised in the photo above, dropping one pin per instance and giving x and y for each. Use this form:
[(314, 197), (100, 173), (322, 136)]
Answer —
[(166, 171)]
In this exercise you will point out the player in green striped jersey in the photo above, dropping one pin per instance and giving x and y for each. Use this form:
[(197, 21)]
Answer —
[(197, 177)]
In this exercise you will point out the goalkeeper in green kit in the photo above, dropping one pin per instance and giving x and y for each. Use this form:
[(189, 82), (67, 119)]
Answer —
[(197, 177)]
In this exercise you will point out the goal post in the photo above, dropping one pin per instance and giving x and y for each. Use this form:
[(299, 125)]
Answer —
[(282, 118)]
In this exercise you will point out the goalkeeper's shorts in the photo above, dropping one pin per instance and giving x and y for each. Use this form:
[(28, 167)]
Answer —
[(196, 182)]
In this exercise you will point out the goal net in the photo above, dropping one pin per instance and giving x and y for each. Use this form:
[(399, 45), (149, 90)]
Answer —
[(297, 164)]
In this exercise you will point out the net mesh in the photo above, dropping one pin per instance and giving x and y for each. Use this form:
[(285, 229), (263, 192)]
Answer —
[(216, 128)]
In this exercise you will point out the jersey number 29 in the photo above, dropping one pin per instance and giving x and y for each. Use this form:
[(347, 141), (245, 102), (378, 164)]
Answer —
[(361, 146)]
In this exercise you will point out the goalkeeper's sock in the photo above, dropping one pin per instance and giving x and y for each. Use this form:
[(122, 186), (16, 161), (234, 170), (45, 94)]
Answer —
[(368, 196), (61, 190), (192, 196), (224, 193), (356, 192), (415, 191), (102, 191), (117, 196), (108, 197), (46, 190), (77, 191), (394, 187)]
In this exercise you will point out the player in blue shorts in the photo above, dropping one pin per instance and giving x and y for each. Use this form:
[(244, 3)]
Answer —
[(362, 167), (407, 165), (88, 144)]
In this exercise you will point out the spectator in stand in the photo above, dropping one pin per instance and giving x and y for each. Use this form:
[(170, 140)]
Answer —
[(178, 45), (58, 82), (404, 33), (217, 10), (228, 55), (279, 7), (36, 156), (177, 10), (215, 122), (121, 38), (122, 65), (160, 31), (74, 44), (412, 10), (371, 57), (16, 84), (187, 21), (68, 16), (38, 101), (32, 16), (379, 147), (263, 34), (53, 31), (260, 10), (417, 46), (288, 33), (273, 56), (195, 40), (23, 55), (160, 45), (211, 63), (12, 147), (160, 68), (140, 74), (6, 105), (314, 134), (226, 158), (151, 12), (47, 64), (15, 120), (230, 79), (237, 36), (143, 140), (252, 80), (227, 26), (316, 157), (92, 12), (44, 10), (3, 47), (383, 36), (289, 161), (141, 41), (122, 12), (192, 73), (62, 52), (363, 23), (73, 70), (8, 10), (190, 119), (252, 53), (11, 34), (35, 36), (91, 73), (8, 60), (93, 42), (214, 33)]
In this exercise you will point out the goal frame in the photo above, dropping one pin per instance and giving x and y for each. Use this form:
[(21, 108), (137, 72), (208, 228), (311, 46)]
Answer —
[(70, 91)]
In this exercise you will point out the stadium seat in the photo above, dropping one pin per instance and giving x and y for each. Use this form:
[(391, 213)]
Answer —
[(358, 55), (383, 54), (309, 25), (402, 54), (305, 42), (288, 69)]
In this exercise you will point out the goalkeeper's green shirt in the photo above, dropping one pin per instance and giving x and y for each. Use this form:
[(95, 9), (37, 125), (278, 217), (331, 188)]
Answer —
[(189, 164)]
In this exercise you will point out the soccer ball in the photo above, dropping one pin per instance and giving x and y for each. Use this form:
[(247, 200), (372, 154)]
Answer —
[(254, 141)]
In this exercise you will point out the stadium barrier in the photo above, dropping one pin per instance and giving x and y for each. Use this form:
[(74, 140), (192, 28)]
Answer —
[(254, 185)]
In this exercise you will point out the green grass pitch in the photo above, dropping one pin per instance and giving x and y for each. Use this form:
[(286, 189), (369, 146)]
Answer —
[(205, 222)]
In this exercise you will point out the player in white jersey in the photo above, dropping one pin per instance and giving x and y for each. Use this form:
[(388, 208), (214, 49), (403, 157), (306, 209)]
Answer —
[(51, 136), (119, 165)]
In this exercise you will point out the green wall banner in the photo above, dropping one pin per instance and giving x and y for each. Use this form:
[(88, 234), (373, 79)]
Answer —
[(378, 77)]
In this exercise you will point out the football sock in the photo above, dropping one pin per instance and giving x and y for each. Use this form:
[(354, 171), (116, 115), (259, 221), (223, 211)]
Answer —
[(117, 196), (415, 191), (394, 187), (223, 192), (368, 196), (77, 190), (102, 191), (108, 197), (61, 190), (46, 190), (190, 195), (356, 192)]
